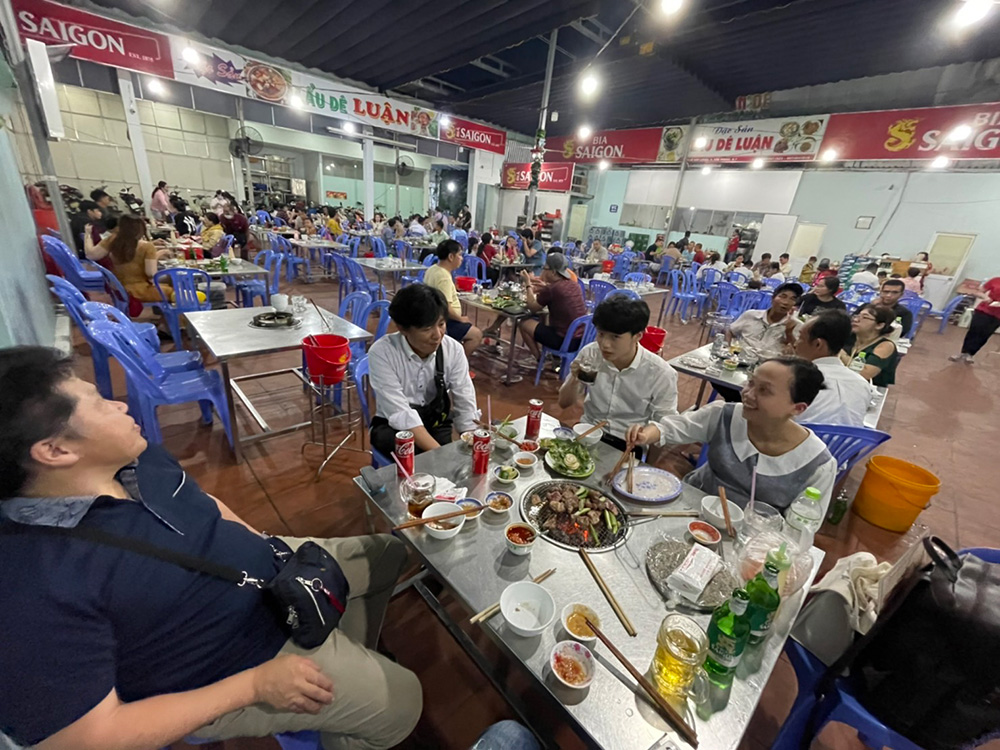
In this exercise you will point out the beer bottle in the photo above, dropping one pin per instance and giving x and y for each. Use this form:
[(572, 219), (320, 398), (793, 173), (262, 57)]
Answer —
[(764, 601), (728, 632)]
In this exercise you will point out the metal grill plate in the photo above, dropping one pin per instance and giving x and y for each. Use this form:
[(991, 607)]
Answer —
[(537, 515)]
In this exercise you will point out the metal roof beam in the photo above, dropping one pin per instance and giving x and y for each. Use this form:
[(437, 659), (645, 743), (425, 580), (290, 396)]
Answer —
[(494, 65), (593, 29), (560, 50)]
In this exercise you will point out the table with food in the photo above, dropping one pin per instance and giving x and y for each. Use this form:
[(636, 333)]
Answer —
[(217, 268), (647, 615), (508, 300)]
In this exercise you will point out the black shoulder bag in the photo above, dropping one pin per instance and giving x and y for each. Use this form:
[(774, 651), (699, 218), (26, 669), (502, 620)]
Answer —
[(309, 593)]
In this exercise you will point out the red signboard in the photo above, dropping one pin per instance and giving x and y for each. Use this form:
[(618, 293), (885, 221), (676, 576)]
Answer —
[(916, 133), (95, 38), (555, 177), (638, 146), (474, 135)]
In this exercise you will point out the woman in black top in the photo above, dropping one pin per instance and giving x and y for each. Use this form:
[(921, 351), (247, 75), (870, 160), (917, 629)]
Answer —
[(822, 297)]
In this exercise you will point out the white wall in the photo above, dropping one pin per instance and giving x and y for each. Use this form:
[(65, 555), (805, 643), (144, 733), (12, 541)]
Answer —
[(908, 210), (764, 192), (512, 205), (484, 169)]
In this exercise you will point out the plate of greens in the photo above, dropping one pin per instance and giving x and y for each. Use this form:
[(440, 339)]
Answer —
[(569, 458)]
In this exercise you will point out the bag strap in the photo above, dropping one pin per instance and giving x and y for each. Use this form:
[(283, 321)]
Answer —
[(130, 544), (950, 563)]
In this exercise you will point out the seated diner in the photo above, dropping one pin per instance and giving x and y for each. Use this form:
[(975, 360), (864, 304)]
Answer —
[(871, 326)]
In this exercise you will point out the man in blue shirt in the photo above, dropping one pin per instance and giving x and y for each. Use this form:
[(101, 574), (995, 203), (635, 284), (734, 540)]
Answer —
[(106, 648)]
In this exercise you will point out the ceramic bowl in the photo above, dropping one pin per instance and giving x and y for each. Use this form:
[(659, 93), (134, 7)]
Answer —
[(527, 608), (440, 509), (525, 462), (576, 652), (704, 533), (593, 438), (711, 511), (501, 480), (471, 502), (587, 612), (499, 496), (514, 547)]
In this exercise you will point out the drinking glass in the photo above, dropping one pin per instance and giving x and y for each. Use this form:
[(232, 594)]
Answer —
[(298, 303), (758, 517), (681, 648), (417, 492)]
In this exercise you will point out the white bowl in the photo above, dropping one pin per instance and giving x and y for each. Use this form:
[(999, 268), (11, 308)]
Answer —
[(440, 509), (492, 495), (578, 653), (496, 474), (527, 608), (514, 547), (711, 511), (587, 612), (593, 438), (525, 462), (470, 502), (563, 433)]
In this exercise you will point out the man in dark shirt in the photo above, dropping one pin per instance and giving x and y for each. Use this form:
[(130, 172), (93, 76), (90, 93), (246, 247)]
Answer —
[(112, 649), (183, 220), (892, 292), (822, 297), (90, 214), (557, 291)]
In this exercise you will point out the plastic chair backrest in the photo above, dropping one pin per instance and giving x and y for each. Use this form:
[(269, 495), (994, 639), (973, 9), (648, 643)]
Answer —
[(986, 554), (354, 307), (402, 249), (378, 247), (279, 222), (600, 289), (638, 278), (571, 332), (918, 306), (711, 277), (848, 445), (67, 260), (360, 384), (185, 282), (263, 217), (71, 297), (589, 334), (461, 237), (475, 267), (724, 293), (743, 301), (115, 290), (631, 294), (764, 301), (430, 260), (735, 278), (354, 243), (771, 283), (142, 368), (381, 309), (99, 311)]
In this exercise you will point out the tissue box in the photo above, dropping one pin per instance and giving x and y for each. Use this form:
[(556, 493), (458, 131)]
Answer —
[(694, 572)]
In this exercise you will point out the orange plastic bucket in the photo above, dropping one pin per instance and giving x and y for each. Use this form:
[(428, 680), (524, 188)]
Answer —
[(893, 493)]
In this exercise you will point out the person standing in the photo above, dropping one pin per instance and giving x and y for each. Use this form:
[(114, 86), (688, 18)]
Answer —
[(733, 246), (808, 270), (682, 243), (439, 276), (845, 398), (914, 282), (985, 321), (630, 383), (867, 276), (561, 295), (159, 203)]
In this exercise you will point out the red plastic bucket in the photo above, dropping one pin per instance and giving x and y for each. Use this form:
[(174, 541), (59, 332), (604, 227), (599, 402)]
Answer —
[(653, 339), (465, 283), (607, 266), (327, 356)]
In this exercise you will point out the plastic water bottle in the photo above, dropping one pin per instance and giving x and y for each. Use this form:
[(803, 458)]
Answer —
[(804, 517), (719, 347), (858, 363)]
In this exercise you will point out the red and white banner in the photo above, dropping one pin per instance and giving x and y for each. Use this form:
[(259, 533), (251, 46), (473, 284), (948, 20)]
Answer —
[(474, 135), (95, 38), (638, 146), (557, 178), (916, 133), (776, 139)]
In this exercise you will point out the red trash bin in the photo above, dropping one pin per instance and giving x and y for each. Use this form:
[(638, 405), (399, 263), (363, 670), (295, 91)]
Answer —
[(327, 356), (653, 339)]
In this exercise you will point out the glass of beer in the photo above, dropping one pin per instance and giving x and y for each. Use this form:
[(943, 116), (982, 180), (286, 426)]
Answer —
[(417, 492), (681, 647)]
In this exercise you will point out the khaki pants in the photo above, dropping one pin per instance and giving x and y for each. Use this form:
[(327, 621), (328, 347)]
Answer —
[(376, 702)]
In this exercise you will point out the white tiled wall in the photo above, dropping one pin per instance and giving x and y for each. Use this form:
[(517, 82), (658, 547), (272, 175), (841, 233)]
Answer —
[(190, 150)]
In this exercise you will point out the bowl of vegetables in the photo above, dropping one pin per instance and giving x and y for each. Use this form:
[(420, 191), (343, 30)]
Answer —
[(570, 458), (506, 474)]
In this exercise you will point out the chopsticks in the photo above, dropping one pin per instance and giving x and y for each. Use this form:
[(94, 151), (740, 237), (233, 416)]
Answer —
[(665, 513), (422, 521), (621, 462), (658, 700), (629, 478), (626, 623), (495, 433), (600, 425), (494, 608), (725, 512)]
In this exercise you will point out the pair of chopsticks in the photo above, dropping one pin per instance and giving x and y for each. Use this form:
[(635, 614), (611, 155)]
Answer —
[(600, 425), (495, 433), (621, 462), (665, 513), (422, 521), (622, 617), (725, 512), (665, 708), (494, 608), (630, 476)]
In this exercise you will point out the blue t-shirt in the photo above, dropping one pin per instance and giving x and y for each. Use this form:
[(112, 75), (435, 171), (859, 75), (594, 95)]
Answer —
[(80, 618)]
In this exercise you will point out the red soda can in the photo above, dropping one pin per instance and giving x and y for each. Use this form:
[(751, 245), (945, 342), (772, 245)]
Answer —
[(405, 448), (534, 419), (480, 452)]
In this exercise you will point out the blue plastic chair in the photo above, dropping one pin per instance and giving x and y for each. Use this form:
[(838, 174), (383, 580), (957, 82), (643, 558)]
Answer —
[(764, 300), (263, 217), (630, 293), (566, 353), (743, 301), (771, 283), (334, 262), (378, 247), (360, 282), (353, 307), (475, 267), (666, 266), (945, 313), (403, 250), (406, 279), (355, 244), (638, 278), (360, 376), (461, 237), (151, 385), (848, 445), (709, 278), (379, 308), (920, 308), (733, 277), (248, 288), (722, 295), (623, 265), (145, 333), (71, 267), (570, 249), (293, 262), (185, 282), (599, 290), (683, 293)]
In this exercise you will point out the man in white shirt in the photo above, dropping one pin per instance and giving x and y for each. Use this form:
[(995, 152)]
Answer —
[(845, 398), (420, 375), (769, 331), (867, 276), (629, 383), (416, 227)]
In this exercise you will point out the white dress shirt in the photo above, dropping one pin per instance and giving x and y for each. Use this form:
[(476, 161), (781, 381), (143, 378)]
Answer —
[(400, 377), (645, 391), (865, 277), (417, 229), (844, 399), (759, 333)]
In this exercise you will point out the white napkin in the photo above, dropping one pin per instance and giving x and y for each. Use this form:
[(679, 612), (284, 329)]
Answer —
[(856, 578), (446, 491)]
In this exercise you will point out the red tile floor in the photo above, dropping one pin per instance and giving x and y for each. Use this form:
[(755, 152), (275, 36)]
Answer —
[(941, 415)]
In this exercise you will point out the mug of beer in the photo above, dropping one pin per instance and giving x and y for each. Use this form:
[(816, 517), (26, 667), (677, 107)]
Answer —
[(681, 648)]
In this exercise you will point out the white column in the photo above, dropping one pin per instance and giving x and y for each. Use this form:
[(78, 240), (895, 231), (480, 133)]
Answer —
[(368, 173), (135, 135)]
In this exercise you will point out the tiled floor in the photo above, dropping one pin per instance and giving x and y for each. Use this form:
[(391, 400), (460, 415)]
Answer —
[(941, 415)]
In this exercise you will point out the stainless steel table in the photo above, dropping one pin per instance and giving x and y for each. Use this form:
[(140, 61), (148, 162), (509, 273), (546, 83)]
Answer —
[(477, 568), (382, 266), (646, 291), (236, 268), (515, 321), (227, 334)]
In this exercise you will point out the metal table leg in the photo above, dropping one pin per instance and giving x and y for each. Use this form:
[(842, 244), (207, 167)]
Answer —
[(510, 378), (231, 405)]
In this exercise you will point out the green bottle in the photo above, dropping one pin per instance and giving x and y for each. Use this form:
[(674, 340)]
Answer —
[(764, 601), (727, 637)]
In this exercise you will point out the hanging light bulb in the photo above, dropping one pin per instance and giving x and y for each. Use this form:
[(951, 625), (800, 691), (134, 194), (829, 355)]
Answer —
[(669, 7), (700, 142), (959, 134), (972, 12), (603, 164), (584, 132), (589, 84)]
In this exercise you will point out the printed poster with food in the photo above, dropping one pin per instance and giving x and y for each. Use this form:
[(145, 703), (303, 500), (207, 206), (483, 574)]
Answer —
[(208, 67), (775, 139), (671, 148), (267, 83)]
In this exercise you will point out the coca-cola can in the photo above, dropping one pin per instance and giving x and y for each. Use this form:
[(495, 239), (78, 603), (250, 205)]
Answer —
[(405, 448), (480, 452), (534, 419)]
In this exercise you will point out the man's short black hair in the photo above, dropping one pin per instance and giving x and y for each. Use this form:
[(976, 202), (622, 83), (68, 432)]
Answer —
[(765, 255), (894, 281), (96, 195), (807, 380), (790, 286), (439, 223), (620, 314), (832, 283), (834, 327), (446, 248), (32, 408), (871, 267), (913, 272), (783, 255), (528, 234), (418, 306), (88, 206)]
